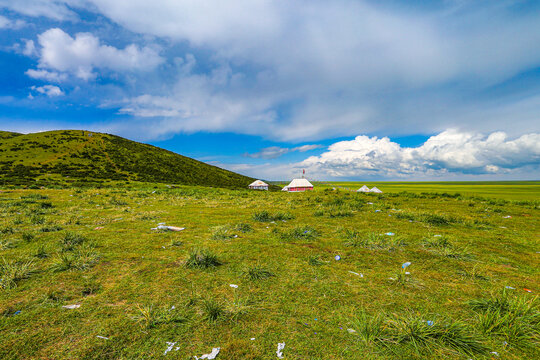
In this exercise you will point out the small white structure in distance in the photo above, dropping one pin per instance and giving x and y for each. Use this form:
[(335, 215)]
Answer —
[(298, 185), (258, 185), (363, 189), (375, 190)]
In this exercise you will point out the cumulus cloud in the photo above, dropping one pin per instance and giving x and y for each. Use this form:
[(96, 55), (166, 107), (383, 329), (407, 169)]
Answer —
[(450, 152), (49, 90), (46, 75), (274, 152), (82, 54)]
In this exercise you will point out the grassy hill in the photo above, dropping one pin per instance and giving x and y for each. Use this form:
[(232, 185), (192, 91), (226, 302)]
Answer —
[(77, 157)]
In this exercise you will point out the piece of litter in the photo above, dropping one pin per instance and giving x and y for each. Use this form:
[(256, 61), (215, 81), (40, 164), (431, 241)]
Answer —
[(407, 273), (437, 235), (507, 217), (390, 234), (233, 286), (17, 312), (406, 265), (429, 323), (509, 287), (355, 273), (102, 337), (351, 331), (279, 352), (172, 308), (337, 258), (171, 346), (212, 355), (377, 210), (75, 306), (494, 353), (235, 236), (252, 339), (99, 228), (370, 203), (527, 290), (162, 226)]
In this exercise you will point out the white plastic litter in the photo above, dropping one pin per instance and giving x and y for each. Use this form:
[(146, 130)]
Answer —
[(74, 306), (389, 234), (355, 273), (507, 217), (494, 353), (437, 235), (351, 331), (279, 352), (212, 355), (337, 258), (407, 273), (233, 286), (406, 265), (171, 346), (162, 226), (511, 288), (102, 337), (252, 339)]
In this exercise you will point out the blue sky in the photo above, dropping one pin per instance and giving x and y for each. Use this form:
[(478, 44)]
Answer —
[(348, 89)]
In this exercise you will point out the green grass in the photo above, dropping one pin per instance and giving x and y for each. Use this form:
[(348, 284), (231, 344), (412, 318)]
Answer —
[(142, 289)]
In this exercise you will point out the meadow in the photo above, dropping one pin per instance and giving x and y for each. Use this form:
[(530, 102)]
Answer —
[(414, 273)]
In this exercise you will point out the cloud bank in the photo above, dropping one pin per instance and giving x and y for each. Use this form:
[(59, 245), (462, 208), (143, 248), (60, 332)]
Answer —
[(274, 152), (450, 152)]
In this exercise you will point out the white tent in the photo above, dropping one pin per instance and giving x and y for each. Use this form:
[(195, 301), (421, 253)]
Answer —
[(363, 189), (299, 185), (258, 185), (375, 190)]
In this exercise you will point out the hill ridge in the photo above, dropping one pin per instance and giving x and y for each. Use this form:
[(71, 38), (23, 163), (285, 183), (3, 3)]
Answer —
[(79, 157)]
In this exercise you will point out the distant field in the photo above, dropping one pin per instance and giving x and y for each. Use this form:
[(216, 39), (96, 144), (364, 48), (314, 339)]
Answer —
[(324, 272), (511, 190)]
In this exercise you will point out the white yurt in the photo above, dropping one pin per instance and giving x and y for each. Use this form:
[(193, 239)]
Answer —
[(375, 190), (258, 185), (299, 185), (363, 189)]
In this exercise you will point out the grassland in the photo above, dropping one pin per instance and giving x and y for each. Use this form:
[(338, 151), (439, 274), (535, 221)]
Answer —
[(462, 297)]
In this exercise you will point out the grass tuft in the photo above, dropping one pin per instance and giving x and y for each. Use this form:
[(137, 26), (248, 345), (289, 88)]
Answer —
[(257, 272), (202, 259), (12, 272)]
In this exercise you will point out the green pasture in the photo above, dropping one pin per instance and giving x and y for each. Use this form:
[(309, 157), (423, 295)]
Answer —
[(324, 272), (511, 190)]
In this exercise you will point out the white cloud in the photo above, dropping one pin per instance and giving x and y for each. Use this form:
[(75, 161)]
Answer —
[(84, 53), (54, 9), (274, 152), (6, 23), (450, 152), (337, 68), (49, 90), (46, 75)]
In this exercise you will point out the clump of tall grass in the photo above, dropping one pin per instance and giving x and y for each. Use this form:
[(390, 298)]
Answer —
[(41, 252), (514, 318), (257, 272), (71, 240), (265, 216), (213, 310), (81, 257), (304, 232), (37, 220), (11, 272), (149, 316), (202, 259), (372, 240), (6, 244), (51, 228), (477, 272), (315, 260), (443, 246), (436, 220), (223, 232), (243, 227), (371, 329), (28, 236)]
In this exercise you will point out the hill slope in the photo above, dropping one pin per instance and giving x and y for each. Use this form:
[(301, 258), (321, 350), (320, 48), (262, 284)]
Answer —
[(77, 157)]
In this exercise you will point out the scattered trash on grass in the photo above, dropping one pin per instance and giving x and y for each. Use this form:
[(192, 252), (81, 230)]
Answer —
[(279, 352), (162, 226), (507, 217), (171, 346), (75, 306), (99, 228), (355, 273), (509, 287), (102, 337), (406, 265), (252, 339), (389, 234), (337, 258), (407, 273), (437, 235), (527, 290), (212, 355), (351, 331), (377, 210), (429, 323), (17, 312), (494, 353), (233, 286)]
